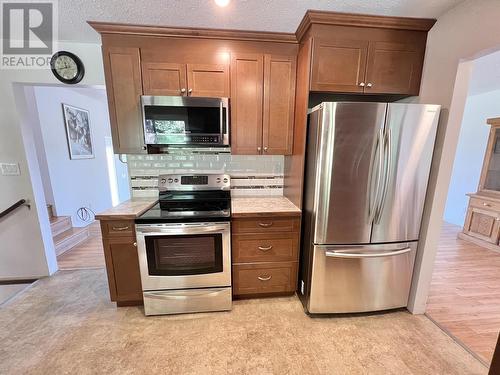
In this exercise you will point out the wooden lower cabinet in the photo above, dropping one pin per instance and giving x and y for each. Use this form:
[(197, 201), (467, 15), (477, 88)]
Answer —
[(265, 255), (482, 224), (264, 278), (122, 262)]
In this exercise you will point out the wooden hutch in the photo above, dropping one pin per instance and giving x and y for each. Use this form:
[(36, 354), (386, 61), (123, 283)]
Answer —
[(482, 223)]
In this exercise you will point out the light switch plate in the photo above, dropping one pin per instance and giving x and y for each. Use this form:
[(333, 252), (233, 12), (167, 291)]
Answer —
[(10, 169)]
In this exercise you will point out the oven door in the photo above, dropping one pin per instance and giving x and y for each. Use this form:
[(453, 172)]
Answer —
[(181, 120), (182, 256)]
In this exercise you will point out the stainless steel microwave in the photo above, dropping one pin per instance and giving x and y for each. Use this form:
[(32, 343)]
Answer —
[(185, 121)]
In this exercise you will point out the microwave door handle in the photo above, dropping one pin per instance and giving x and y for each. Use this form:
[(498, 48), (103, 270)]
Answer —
[(221, 116)]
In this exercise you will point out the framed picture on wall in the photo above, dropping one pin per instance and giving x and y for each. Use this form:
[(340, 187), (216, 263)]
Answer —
[(78, 132)]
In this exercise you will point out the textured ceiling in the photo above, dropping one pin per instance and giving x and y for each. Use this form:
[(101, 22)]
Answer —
[(485, 74), (265, 15)]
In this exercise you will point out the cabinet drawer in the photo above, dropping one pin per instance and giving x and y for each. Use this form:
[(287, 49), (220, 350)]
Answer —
[(275, 247), (117, 228), (484, 204), (266, 225), (264, 278)]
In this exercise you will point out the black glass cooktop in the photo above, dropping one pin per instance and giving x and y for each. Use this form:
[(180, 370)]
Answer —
[(156, 215)]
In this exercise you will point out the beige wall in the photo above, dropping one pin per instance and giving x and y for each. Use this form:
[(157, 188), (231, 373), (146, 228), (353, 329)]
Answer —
[(26, 248), (465, 32)]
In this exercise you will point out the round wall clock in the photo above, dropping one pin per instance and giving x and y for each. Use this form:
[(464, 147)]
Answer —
[(67, 67)]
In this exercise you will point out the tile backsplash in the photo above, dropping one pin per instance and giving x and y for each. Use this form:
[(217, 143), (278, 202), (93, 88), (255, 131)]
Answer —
[(250, 175)]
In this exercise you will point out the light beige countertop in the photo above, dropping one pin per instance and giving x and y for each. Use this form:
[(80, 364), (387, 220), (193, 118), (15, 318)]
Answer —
[(261, 206), (128, 210)]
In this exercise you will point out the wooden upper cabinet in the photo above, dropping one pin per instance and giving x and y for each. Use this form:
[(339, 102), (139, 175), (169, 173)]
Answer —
[(279, 104), (172, 79), (122, 69), (164, 78), (394, 68), (338, 65), (247, 72), (383, 63), (209, 80)]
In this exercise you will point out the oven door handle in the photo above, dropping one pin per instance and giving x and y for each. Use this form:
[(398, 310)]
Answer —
[(160, 230)]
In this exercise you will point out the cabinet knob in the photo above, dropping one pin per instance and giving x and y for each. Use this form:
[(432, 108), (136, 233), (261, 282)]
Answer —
[(265, 149), (486, 204), (183, 90), (369, 84), (135, 244), (362, 84), (144, 147), (258, 149), (190, 91)]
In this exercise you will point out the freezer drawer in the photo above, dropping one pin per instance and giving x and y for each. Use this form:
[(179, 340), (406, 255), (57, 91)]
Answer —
[(348, 279)]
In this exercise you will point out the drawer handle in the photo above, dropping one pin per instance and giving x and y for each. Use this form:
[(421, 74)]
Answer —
[(265, 248), (486, 204), (265, 278), (266, 225), (120, 228)]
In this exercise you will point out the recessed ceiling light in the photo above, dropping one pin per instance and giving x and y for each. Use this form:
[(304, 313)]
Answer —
[(222, 3)]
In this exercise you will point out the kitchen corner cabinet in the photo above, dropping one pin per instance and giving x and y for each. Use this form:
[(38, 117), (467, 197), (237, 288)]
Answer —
[(262, 103), (205, 80), (367, 66), (122, 262), (122, 68)]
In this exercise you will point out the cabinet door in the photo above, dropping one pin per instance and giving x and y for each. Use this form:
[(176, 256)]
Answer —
[(122, 70), (164, 78), (209, 80), (338, 65), (279, 104), (122, 264), (247, 75), (482, 224), (394, 68)]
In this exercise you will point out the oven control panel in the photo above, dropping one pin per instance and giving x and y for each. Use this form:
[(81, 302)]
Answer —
[(191, 182)]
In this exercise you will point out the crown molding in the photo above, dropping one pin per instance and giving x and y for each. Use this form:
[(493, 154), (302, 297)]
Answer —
[(191, 32), (361, 20)]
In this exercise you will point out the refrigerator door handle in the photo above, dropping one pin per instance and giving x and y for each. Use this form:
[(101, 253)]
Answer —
[(372, 204), (335, 254), (387, 173)]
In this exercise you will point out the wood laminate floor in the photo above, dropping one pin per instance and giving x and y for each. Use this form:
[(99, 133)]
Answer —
[(88, 254), (465, 292)]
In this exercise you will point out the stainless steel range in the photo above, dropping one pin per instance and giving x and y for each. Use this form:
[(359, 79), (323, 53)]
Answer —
[(184, 246)]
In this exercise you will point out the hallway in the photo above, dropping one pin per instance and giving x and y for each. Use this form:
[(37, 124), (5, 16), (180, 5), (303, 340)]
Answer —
[(465, 292), (88, 254)]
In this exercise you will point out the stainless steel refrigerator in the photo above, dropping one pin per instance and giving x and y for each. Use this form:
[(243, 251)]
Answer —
[(367, 168)]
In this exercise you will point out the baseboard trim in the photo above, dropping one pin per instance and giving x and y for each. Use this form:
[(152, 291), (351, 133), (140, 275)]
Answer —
[(17, 281), (477, 241)]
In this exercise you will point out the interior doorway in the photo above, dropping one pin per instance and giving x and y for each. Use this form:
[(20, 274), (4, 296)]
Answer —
[(79, 172), (464, 298)]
